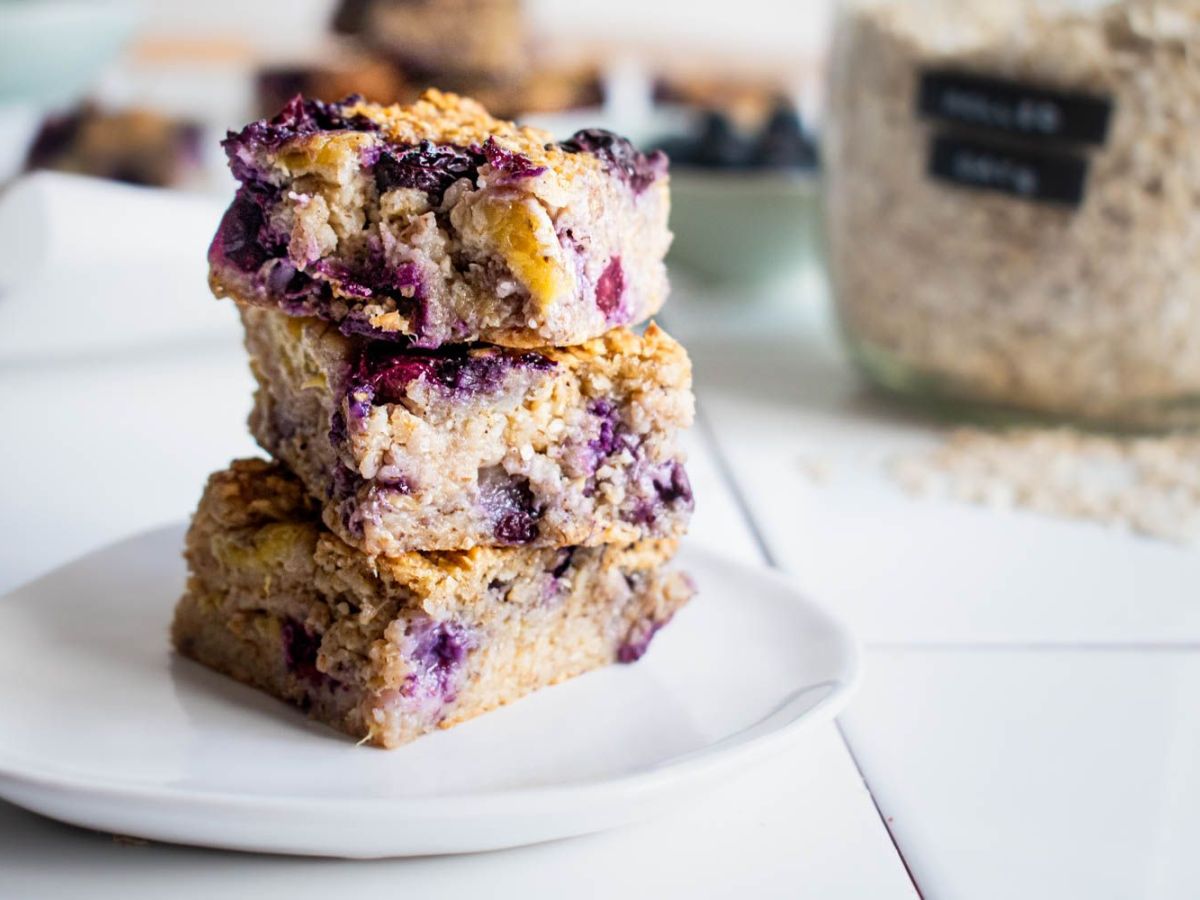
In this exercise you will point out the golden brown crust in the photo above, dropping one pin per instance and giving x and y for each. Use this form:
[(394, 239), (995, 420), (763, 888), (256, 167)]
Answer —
[(621, 354), (433, 572), (254, 492), (446, 118), (265, 501)]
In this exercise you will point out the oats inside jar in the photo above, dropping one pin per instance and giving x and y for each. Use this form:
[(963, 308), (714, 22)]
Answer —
[(987, 286)]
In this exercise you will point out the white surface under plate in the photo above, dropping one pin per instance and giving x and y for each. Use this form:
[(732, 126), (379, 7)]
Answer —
[(103, 727)]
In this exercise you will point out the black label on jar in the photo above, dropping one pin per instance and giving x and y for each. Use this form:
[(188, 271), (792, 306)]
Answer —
[(995, 104), (1046, 177)]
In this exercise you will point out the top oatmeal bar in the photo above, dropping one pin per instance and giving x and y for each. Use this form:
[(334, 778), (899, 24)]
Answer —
[(439, 223)]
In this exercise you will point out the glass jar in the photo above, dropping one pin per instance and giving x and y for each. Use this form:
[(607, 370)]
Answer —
[(1013, 203)]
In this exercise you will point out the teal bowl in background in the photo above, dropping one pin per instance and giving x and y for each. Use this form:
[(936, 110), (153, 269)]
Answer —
[(52, 51), (749, 227)]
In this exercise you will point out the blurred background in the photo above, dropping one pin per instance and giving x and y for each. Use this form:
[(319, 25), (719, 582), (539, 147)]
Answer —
[(142, 92)]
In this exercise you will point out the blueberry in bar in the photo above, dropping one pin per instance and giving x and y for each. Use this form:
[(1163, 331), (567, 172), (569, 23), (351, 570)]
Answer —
[(389, 649), (439, 223), (412, 449)]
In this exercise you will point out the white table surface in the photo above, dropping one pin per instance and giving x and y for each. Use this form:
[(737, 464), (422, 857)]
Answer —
[(1029, 724), (1027, 728)]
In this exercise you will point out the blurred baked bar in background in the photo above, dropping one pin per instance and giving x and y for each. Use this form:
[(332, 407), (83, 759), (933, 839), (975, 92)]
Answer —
[(734, 120), (136, 146), (747, 100), (438, 37), (546, 87), (394, 49), (338, 75)]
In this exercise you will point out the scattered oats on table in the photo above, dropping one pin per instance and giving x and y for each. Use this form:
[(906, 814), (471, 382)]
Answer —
[(1150, 485), (815, 469)]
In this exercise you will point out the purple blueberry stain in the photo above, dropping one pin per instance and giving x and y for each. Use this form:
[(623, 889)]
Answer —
[(509, 165), (437, 651), (357, 324), (635, 649), (673, 485), (301, 648), (637, 641), (246, 241), (394, 483), (610, 292), (348, 282), (299, 117), (510, 506), (343, 483), (427, 167), (373, 277), (239, 236), (644, 513), (359, 400), (387, 371), (555, 583), (672, 490), (355, 516), (619, 156), (287, 282), (359, 403), (608, 438)]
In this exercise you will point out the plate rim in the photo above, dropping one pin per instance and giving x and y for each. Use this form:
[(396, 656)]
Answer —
[(733, 751)]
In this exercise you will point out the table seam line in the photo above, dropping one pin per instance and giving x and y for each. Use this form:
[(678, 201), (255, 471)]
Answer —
[(1039, 646), (725, 472)]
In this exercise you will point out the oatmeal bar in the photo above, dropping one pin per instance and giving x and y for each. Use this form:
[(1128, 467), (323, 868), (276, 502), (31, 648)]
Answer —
[(136, 146), (464, 446), (548, 85), (438, 222), (330, 78), (388, 650), (438, 37)]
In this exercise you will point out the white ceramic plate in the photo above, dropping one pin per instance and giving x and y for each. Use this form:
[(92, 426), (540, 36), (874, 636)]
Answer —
[(102, 726)]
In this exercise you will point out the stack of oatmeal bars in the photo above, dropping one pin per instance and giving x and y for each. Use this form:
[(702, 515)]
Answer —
[(477, 481)]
